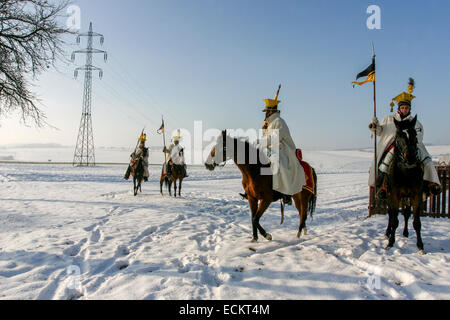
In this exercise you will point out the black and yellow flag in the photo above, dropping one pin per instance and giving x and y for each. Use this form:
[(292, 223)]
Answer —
[(369, 72), (161, 129)]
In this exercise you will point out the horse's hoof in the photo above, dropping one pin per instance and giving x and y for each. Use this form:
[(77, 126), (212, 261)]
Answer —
[(388, 248), (421, 252), (254, 240), (299, 234), (305, 232), (268, 237)]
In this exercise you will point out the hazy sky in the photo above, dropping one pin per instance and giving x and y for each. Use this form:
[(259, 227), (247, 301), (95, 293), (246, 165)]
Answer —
[(215, 60)]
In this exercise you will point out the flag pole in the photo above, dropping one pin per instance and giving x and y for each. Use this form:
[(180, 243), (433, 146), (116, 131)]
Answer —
[(164, 132), (164, 139), (375, 135)]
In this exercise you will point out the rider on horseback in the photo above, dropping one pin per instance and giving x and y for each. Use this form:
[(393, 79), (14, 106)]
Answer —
[(140, 152), (387, 131), (176, 155), (288, 174)]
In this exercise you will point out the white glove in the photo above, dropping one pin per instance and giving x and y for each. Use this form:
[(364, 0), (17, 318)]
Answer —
[(374, 124)]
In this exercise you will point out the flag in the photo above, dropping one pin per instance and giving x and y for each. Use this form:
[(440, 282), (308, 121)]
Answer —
[(369, 72), (161, 129)]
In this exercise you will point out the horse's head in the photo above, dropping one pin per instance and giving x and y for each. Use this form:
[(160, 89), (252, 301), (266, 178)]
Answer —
[(217, 156), (406, 142)]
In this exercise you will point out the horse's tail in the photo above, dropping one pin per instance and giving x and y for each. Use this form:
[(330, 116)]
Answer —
[(313, 200)]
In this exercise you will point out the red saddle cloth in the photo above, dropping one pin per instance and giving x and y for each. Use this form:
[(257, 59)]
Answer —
[(310, 185)]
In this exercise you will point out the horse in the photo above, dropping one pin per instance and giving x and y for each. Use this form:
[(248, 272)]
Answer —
[(178, 172), (404, 182), (258, 186), (138, 175)]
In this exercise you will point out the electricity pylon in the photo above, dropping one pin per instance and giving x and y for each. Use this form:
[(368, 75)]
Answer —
[(84, 151)]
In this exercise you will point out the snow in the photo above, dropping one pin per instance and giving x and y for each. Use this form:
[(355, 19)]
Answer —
[(79, 233)]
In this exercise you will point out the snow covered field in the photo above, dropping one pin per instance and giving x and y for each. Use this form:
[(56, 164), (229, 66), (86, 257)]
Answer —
[(79, 233)]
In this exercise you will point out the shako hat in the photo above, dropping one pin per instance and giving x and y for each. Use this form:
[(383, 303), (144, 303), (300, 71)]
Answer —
[(404, 97), (272, 104), (177, 137)]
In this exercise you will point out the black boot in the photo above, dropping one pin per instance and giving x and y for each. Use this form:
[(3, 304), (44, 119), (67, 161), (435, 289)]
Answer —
[(127, 174), (243, 195), (381, 194)]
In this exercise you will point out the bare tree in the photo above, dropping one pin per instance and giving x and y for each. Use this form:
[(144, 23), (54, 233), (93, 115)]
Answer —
[(30, 42)]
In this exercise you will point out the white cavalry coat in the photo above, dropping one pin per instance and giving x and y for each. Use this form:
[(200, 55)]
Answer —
[(387, 131), (288, 175), (137, 152), (174, 152)]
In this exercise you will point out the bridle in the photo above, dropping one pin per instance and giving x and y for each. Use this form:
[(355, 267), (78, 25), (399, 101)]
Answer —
[(402, 149), (214, 164)]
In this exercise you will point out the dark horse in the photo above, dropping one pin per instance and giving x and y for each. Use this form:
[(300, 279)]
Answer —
[(257, 186), (177, 172), (405, 182), (138, 175)]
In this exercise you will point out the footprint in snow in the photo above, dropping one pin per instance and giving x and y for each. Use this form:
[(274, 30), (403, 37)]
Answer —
[(122, 250), (120, 265), (96, 235), (75, 249)]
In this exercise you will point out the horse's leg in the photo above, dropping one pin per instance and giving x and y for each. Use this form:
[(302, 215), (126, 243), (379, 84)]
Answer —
[(263, 205), (388, 229), (175, 187), (161, 181), (170, 187), (253, 203), (406, 215), (418, 208), (393, 219), (179, 187), (134, 186), (301, 203)]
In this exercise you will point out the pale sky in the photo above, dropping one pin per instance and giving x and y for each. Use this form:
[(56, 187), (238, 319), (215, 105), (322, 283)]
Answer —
[(215, 61)]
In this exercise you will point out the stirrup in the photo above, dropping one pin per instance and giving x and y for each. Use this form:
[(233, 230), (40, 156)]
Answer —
[(287, 200), (381, 194), (435, 189)]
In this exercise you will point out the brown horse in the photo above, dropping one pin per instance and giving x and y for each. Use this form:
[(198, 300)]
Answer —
[(177, 172), (258, 186)]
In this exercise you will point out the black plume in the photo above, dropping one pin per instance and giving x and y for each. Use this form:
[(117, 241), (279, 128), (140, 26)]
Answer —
[(412, 82)]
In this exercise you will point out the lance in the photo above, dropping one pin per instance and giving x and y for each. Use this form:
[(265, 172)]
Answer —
[(375, 135), (278, 92), (164, 132), (141, 135), (163, 129)]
